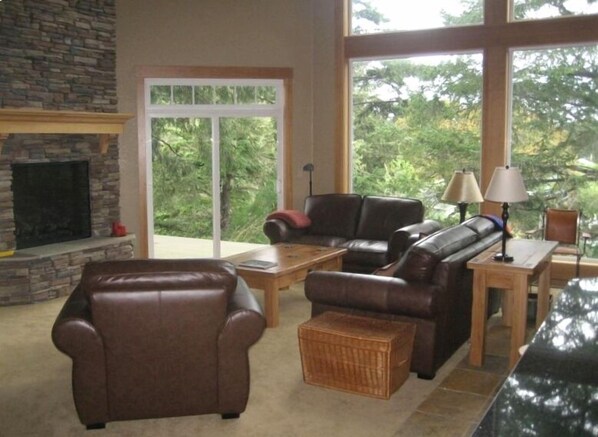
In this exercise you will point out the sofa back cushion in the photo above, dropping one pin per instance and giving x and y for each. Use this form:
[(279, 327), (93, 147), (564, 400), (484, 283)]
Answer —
[(333, 214), (420, 260), (381, 216)]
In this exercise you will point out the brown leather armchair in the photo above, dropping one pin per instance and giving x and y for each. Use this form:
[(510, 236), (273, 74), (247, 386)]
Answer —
[(159, 338)]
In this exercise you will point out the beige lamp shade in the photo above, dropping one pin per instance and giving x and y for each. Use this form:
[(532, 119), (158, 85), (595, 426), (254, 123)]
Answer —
[(463, 188), (506, 186)]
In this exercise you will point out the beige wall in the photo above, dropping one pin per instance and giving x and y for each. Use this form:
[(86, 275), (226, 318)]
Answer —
[(297, 34)]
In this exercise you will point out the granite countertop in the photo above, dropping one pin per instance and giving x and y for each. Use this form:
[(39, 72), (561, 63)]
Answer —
[(553, 389)]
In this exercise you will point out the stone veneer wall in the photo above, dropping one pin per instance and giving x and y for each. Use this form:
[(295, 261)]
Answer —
[(58, 55), (31, 278)]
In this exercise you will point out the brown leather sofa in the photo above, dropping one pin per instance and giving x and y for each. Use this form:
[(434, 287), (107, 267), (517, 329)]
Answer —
[(376, 230), (431, 287), (158, 338)]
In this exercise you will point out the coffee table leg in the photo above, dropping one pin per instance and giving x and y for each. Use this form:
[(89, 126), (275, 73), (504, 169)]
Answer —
[(271, 302)]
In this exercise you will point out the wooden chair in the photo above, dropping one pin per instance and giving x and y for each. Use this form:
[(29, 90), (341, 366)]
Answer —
[(563, 226)]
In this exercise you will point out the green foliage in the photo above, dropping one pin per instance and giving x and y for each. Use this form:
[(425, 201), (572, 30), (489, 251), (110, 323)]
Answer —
[(182, 175), (417, 120)]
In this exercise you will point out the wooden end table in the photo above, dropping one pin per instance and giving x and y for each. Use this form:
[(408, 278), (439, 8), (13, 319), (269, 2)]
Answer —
[(293, 263), (531, 258)]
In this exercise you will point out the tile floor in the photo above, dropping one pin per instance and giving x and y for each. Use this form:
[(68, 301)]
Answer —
[(457, 405)]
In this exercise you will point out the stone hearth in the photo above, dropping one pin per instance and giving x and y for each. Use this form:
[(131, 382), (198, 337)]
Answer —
[(50, 271)]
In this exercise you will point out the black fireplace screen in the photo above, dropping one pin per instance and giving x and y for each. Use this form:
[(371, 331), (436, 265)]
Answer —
[(51, 202)]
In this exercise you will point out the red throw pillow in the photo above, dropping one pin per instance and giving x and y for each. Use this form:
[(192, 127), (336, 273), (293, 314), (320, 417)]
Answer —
[(292, 217)]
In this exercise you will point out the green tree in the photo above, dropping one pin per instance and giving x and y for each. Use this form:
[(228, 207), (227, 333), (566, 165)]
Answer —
[(182, 173), (416, 122)]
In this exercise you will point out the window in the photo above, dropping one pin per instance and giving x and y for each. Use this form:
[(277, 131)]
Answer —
[(212, 95), (554, 136), (535, 10), (375, 16), (543, 120), (409, 115), (216, 158)]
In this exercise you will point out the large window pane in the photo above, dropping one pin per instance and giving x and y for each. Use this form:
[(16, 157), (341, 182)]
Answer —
[(416, 121), (247, 177), (539, 9), (375, 16), (182, 174), (555, 133)]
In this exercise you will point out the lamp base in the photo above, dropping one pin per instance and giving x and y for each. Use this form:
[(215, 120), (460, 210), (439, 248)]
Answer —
[(503, 257)]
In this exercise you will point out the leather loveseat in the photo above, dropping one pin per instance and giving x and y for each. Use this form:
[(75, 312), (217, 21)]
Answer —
[(375, 230), (430, 287), (158, 338)]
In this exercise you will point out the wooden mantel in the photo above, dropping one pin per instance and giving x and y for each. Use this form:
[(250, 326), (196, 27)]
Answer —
[(41, 121)]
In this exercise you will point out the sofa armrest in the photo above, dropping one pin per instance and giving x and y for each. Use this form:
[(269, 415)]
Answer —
[(279, 231), (74, 334), (243, 327), (403, 238), (373, 293)]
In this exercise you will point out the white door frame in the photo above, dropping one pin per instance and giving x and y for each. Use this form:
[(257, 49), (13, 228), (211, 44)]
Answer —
[(214, 112)]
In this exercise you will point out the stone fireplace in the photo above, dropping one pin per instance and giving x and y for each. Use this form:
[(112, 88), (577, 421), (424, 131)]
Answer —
[(46, 271), (58, 60)]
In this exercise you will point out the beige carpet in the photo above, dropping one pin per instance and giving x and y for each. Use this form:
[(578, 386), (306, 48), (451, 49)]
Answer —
[(36, 399)]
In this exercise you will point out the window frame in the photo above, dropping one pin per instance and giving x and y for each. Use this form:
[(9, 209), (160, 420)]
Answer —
[(495, 38), (172, 73)]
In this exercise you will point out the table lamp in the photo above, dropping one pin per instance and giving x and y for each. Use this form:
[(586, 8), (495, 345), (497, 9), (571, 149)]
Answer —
[(506, 186), (462, 189)]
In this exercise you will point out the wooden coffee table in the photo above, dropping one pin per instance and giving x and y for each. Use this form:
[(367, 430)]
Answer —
[(293, 263)]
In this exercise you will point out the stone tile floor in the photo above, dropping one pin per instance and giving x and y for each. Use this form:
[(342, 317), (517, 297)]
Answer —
[(456, 406)]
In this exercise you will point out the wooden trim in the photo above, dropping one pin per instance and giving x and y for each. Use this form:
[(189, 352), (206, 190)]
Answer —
[(537, 33), (143, 234), (497, 11), (494, 118), (194, 72), (288, 144), (342, 127), (42, 121), (564, 270)]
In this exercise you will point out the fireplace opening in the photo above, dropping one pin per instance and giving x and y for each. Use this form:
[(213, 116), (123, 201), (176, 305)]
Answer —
[(51, 202)]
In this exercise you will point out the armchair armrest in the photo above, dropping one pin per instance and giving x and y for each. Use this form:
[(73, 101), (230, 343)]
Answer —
[(403, 238), (74, 334), (243, 326), (373, 293), (279, 231)]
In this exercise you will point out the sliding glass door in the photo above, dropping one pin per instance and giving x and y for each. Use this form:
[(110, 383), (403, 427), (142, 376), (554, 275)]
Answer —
[(214, 169)]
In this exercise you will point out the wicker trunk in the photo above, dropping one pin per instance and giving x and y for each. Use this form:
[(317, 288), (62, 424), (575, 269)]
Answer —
[(356, 354)]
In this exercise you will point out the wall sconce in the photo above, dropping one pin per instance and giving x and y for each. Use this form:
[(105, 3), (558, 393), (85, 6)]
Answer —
[(506, 186), (463, 189), (310, 168)]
